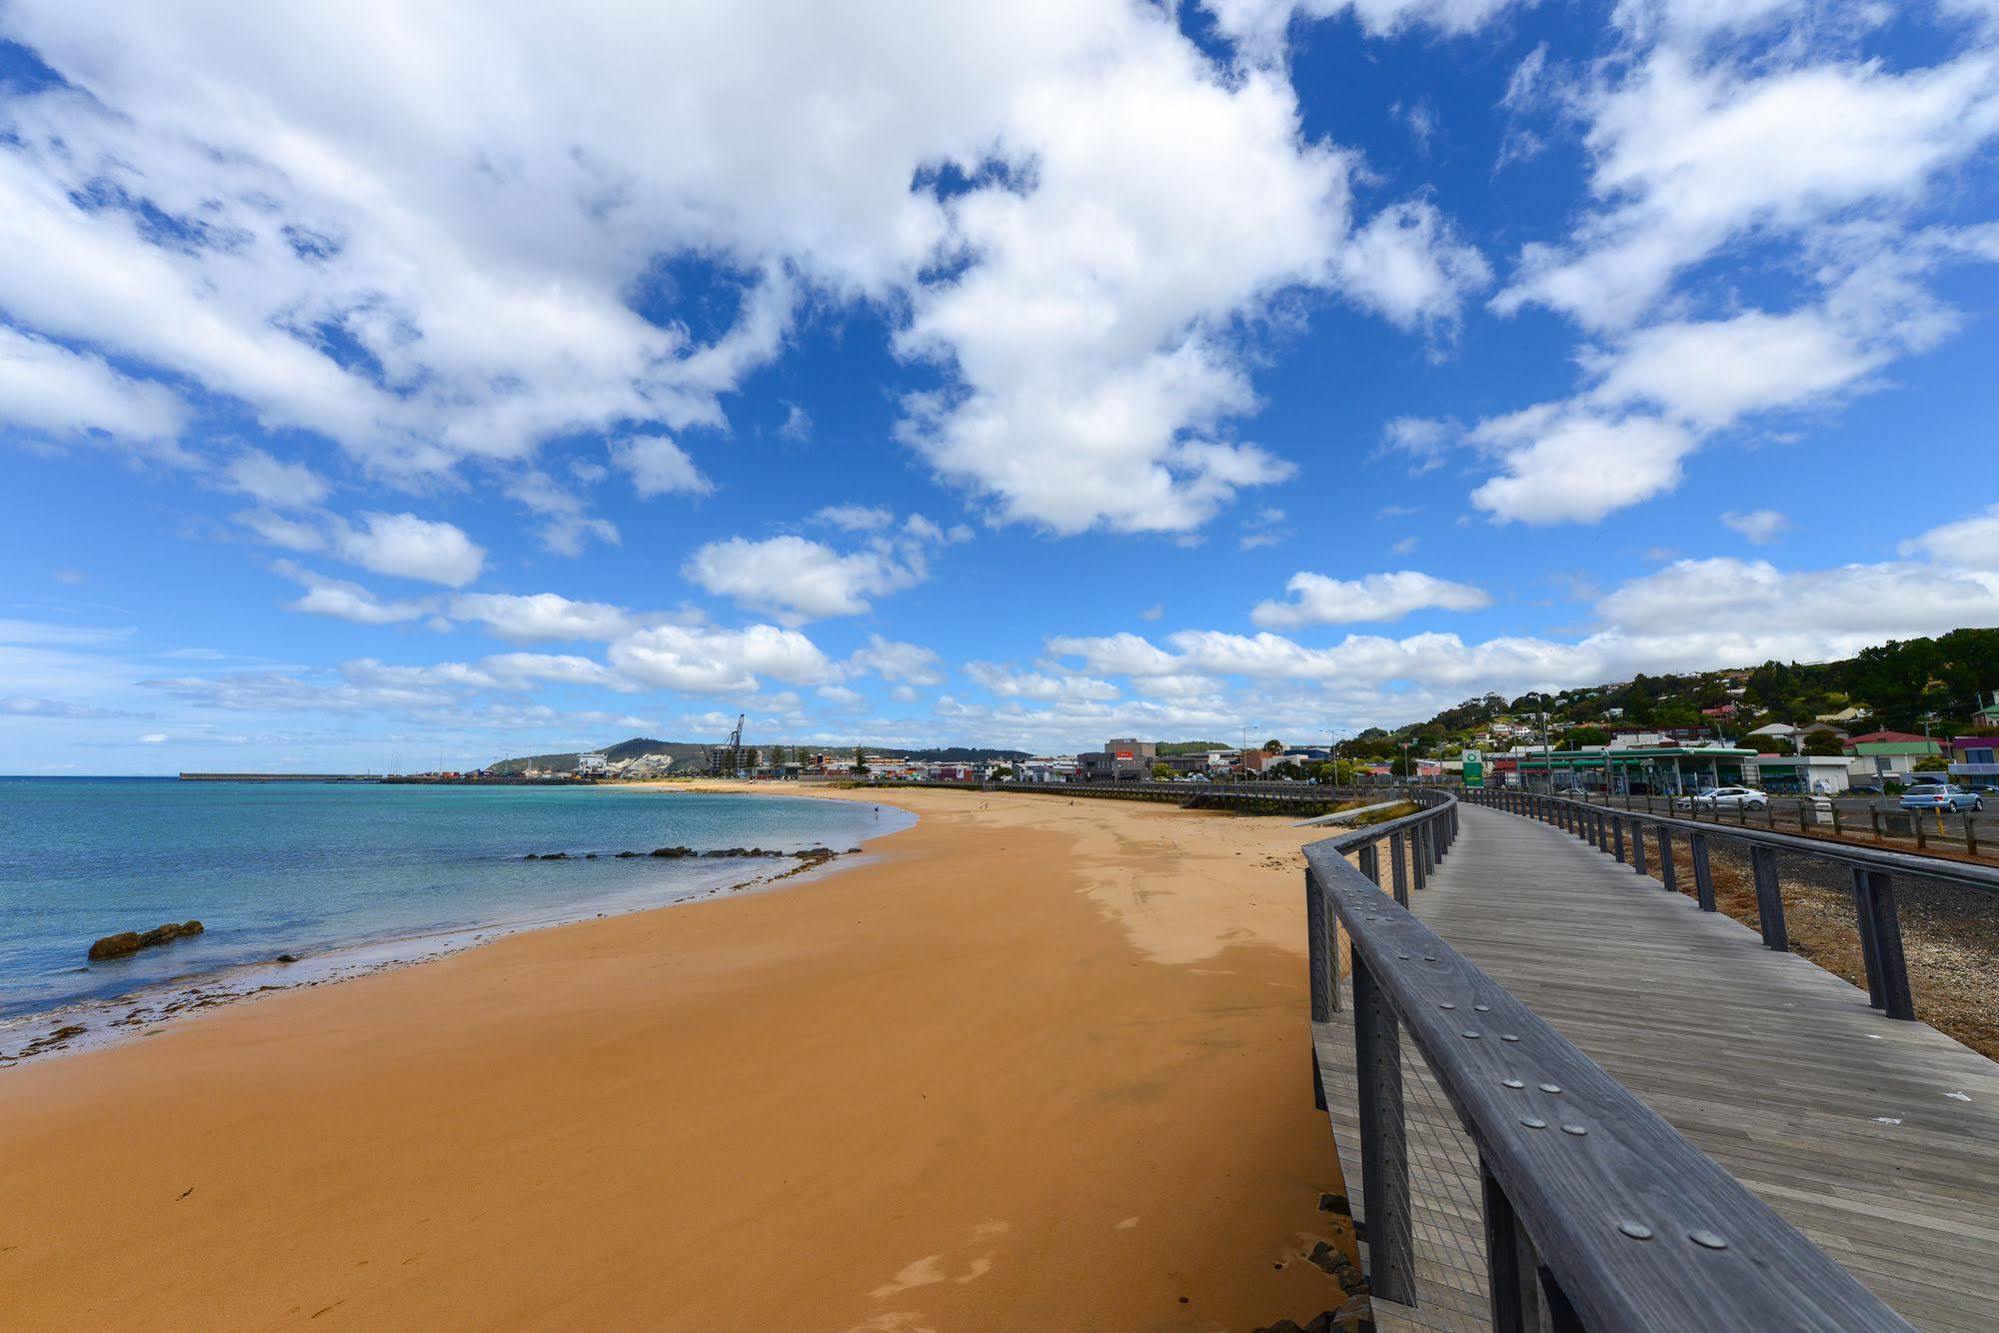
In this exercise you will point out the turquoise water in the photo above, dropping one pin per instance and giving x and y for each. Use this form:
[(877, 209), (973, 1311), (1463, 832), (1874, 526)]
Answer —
[(308, 868)]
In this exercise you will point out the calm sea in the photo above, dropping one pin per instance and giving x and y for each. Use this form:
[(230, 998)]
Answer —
[(318, 869)]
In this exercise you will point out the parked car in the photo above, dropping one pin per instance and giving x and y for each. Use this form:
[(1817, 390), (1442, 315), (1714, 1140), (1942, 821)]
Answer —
[(1940, 796), (1866, 789), (1725, 798)]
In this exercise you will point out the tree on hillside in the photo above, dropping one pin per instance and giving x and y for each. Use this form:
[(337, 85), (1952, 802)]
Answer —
[(1581, 737), (1273, 746), (1824, 742)]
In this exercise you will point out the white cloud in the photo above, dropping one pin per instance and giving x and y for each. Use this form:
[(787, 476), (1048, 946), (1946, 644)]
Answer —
[(1010, 684), (1319, 600), (543, 615), (569, 522), (701, 660), (1972, 542), (273, 482), (348, 601), (48, 388), (412, 548), (1258, 27), (1409, 265), (1759, 527), (797, 424), (798, 579), (856, 518), (520, 671), (658, 466), (1689, 158), (455, 272), (909, 663), (289, 534), (1567, 465)]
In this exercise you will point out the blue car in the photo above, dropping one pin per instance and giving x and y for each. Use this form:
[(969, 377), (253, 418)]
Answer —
[(1941, 796)]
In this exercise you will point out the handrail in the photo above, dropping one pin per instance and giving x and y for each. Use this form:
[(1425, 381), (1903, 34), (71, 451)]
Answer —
[(1598, 1213), (1873, 870), (1964, 874)]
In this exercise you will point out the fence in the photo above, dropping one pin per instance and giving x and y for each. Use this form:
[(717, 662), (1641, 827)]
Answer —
[(1949, 828), (1872, 871), (1499, 1161)]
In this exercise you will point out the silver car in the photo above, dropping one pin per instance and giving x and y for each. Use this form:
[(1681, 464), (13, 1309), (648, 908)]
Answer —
[(1725, 798)]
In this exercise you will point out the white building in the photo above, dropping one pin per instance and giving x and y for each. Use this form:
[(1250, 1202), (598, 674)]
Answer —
[(592, 765)]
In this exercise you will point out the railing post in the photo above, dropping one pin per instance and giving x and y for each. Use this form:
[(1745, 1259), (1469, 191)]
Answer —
[(1669, 873), (1617, 836), (1419, 873), (1399, 877), (1896, 999), (1870, 955), (1384, 1160), (1319, 951), (1370, 862), (1703, 877), (1512, 1270), (1638, 846), (1769, 900)]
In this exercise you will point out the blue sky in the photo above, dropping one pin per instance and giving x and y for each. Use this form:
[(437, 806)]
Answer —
[(430, 388)]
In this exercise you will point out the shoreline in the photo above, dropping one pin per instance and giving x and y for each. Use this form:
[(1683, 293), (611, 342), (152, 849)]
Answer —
[(36, 1036), (1033, 1065)]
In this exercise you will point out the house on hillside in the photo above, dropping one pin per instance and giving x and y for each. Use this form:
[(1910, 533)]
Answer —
[(1974, 760), (1880, 755)]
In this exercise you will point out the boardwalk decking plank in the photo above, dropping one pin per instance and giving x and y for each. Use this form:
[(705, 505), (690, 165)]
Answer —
[(1774, 1067)]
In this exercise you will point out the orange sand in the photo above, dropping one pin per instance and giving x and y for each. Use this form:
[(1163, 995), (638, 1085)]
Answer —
[(1040, 1065)]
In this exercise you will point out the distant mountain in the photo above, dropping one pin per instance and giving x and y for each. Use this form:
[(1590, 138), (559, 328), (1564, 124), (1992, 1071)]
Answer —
[(686, 756)]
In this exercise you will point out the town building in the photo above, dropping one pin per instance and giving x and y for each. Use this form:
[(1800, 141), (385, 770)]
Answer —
[(1885, 755), (1119, 761), (1974, 760)]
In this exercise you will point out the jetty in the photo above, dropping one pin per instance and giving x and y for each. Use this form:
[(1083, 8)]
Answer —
[(1566, 1094)]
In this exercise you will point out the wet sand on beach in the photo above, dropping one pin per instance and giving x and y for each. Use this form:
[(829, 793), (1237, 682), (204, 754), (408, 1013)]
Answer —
[(1037, 1064)]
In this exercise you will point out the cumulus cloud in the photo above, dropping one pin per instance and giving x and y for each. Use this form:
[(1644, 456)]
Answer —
[(410, 547), (349, 601), (658, 466), (1693, 155), (1759, 527), (1972, 541), (1010, 684), (1566, 464), (1319, 600), (48, 388), (905, 663), (487, 259), (701, 660), (1259, 27), (1409, 265), (797, 579), (541, 616), (274, 482)]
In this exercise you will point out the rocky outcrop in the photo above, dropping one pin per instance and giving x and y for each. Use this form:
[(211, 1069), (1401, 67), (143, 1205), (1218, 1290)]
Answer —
[(131, 941)]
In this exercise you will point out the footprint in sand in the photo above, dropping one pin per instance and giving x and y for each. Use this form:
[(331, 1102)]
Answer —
[(1127, 1224)]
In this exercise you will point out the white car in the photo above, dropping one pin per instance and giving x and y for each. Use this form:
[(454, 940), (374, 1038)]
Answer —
[(1725, 798)]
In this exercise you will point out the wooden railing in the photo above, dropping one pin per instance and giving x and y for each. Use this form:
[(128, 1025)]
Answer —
[(1873, 872), (1598, 1214)]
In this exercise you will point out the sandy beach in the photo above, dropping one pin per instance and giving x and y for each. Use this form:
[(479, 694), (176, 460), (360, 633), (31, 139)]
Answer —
[(1035, 1064)]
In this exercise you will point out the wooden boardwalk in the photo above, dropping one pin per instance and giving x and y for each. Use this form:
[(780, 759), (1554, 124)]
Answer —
[(1878, 1139)]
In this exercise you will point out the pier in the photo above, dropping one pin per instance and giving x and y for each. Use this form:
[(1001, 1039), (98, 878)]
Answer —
[(1567, 1096)]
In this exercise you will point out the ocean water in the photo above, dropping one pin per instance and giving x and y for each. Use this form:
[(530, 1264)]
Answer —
[(330, 870)]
